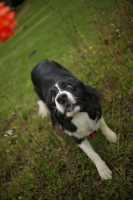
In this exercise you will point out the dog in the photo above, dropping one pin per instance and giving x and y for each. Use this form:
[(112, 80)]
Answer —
[(74, 106)]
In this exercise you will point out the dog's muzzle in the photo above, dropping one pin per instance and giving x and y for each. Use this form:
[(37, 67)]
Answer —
[(62, 98), (66, 103)]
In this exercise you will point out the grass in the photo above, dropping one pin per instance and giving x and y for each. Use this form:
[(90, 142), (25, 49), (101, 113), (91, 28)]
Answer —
[(94, 41)]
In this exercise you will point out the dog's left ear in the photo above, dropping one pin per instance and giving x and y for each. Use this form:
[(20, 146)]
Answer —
[(92, 94)]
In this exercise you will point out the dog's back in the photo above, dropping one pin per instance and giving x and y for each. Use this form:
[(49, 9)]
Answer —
[(48, 70)]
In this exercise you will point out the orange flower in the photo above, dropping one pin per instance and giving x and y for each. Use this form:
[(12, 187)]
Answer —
[(7, 22)]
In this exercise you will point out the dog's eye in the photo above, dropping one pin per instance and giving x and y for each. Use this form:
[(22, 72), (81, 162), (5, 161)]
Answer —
[(53, 98), (69, 86)]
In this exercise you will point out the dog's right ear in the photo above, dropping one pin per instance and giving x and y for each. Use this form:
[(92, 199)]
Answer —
[(92, 100)]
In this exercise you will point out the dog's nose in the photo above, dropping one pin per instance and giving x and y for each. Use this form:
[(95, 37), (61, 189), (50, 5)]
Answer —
[(62, 98)]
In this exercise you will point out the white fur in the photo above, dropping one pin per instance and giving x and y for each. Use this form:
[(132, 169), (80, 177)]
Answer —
[(43, 110), (84, 124), (56, 85)]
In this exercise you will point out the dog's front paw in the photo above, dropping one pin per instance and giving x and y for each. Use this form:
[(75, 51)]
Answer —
[(43, 110), (104, 172), (111, 136)]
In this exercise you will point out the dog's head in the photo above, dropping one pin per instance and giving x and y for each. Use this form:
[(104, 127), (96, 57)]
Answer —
[(70, 96), (64, 96)]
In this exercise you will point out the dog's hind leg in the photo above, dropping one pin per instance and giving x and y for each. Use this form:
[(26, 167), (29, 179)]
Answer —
[(107, 132)]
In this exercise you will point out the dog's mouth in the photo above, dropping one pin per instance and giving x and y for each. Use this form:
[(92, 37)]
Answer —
[(70, 107)]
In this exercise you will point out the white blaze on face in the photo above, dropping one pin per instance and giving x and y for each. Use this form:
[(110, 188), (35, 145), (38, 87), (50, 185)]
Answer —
[(71, 102), (56, 85)]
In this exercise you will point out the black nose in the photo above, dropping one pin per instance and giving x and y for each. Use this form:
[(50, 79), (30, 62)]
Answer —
[(62, 98)]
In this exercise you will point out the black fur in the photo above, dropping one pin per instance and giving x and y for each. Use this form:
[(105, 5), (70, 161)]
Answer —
[(46, 74), (77, 140)]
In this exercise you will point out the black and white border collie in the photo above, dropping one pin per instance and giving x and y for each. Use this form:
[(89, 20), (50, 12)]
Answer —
[(73, 105)]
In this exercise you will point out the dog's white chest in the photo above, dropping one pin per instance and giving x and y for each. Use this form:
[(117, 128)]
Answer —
[(84, 124)]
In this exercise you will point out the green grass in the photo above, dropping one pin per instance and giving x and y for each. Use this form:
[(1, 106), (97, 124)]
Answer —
[(94, 41)]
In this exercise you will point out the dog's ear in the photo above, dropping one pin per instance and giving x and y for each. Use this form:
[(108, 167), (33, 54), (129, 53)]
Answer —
[(53, 120), (92, 98), (52, 112), (89, 93), (92, 94)]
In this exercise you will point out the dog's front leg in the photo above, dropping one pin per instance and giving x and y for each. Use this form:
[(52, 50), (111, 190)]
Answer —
[(102, 168), (107, 132)]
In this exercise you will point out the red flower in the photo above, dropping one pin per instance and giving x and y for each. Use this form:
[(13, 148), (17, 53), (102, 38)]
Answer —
[(7, 22)]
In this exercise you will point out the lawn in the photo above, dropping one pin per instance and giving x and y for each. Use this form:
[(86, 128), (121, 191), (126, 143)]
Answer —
[(94, 40)]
